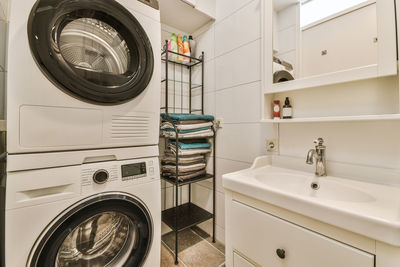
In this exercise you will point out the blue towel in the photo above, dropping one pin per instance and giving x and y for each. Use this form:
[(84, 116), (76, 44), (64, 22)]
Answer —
[(187, 131), (191, 146), (177, 117)]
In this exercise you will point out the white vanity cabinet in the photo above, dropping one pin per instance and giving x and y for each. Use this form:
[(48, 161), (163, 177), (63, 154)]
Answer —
[(272, 242), (274, 218)]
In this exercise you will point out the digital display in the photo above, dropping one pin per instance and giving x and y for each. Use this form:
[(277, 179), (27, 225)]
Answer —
[(133, 169)]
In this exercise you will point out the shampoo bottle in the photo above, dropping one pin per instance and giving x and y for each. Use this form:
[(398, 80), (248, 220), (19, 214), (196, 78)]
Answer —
[(173, 47), (186, 49), (180, 48)]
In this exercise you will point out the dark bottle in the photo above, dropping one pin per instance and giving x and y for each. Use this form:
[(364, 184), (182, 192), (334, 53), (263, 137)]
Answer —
[(287, 111)]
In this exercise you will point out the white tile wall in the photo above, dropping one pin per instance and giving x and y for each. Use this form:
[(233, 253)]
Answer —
[(235, 96), (239, 104), (205, 42), (242, 65), (227, 7), (365, 143), (238, 29), (3, 44), (240, 141)]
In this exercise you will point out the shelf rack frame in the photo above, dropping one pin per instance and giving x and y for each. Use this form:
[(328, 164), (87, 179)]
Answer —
[(181, 217)]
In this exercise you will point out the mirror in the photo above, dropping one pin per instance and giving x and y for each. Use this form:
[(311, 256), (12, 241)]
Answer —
[(317, 37)]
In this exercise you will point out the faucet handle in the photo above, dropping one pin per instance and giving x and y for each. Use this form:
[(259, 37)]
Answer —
[(319, 141)]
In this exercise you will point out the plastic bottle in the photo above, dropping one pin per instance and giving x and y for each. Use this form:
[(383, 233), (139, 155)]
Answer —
[(277, 109), (180, 49), (192, 46), (186, 49), (173, 47)]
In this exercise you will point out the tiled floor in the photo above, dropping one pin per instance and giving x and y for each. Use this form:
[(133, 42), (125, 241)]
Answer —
[(195, 250)]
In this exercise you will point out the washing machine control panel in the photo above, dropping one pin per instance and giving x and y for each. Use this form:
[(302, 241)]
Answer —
[(115, 173), (133, 171)]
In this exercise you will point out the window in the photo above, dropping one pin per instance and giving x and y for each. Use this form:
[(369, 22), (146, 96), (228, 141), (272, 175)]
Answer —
[(314, 10)]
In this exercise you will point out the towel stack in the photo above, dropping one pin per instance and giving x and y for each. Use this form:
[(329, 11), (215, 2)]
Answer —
[(191, 148), (188, 125)]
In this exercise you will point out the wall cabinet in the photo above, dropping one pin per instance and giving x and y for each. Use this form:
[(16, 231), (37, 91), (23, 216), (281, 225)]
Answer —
[(273, 242), (351, 54)]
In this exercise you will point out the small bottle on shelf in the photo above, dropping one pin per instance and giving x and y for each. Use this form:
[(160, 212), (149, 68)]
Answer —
[(173, 46), (180, 49), (287, 112), (186, 49), (192, 46), (277, 109)]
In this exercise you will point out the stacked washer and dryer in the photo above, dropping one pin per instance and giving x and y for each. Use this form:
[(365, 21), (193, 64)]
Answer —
[(82, 185)]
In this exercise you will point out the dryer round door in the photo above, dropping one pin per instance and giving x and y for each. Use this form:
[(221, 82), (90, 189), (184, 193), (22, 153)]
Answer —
[(95, 50), (105, 230)]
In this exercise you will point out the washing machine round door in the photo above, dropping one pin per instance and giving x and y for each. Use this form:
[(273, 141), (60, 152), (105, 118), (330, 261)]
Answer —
[(95, 50), (106, 230)]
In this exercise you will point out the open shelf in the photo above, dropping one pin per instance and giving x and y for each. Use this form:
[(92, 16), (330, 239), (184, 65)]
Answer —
[(193, 61), (193, 86), (337, 118), (188, 215), (351, 75), (188, 181)]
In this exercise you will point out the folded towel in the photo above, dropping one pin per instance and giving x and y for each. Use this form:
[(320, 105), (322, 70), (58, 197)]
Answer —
[(169, 155), (188, 130), (182, 162), (187, 152), (186, 176), (191, 122), (199, 134), (183, 169), (168, 125), (176, 117), (185, 146)]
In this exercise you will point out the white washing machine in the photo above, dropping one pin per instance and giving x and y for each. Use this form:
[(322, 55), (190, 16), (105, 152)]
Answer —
[(82, 74), (95, 214)]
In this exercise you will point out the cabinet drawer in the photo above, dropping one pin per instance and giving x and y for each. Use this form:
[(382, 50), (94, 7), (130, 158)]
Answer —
[(259, 235), (239, 261)]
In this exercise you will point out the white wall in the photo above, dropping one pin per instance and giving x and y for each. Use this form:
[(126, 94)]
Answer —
[(232, 47), (236, 62)]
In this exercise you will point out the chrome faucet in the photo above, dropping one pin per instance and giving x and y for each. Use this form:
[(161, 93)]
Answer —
[(319, 153)]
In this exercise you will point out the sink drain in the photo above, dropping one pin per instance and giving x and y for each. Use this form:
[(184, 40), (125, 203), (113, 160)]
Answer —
[(315, 186)]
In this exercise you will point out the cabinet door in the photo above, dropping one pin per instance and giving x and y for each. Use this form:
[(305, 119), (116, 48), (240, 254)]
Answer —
[(259, 235)]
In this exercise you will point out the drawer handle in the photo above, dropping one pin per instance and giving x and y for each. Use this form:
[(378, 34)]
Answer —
[(281, 253)]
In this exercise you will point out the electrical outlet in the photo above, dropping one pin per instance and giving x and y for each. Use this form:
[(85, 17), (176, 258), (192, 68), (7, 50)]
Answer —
[(272, 145), (219, 122)]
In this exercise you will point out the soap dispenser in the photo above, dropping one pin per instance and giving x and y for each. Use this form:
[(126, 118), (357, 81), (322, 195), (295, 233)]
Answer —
[(287, 112)]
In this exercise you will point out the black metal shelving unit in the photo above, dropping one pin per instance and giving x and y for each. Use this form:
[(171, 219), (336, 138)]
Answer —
[(181, 217)]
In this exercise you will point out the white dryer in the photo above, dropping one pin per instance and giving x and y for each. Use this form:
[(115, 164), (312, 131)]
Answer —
[(97, 214), (82, 74)]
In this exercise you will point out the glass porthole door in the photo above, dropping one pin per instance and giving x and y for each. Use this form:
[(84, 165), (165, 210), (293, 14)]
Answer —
[(95, 50), (103, 231)]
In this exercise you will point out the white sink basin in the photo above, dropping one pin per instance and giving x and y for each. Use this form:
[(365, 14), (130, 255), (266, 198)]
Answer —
[(368, 209), (303, 185)]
